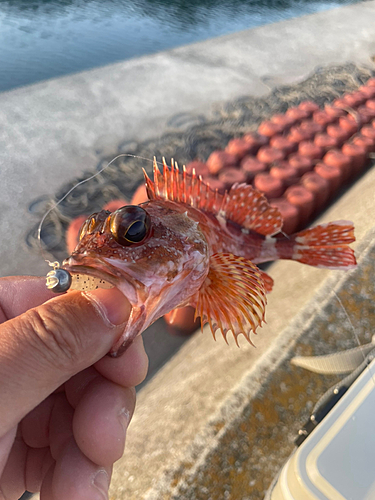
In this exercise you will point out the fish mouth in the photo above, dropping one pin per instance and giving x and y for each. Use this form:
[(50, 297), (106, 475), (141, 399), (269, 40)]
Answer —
[(91, 267), (100, 273), (90, 273), (93, 272)]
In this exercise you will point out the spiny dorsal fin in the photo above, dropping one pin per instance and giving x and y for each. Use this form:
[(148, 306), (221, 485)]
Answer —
[(177, 185), (243, 204), (233, 297)]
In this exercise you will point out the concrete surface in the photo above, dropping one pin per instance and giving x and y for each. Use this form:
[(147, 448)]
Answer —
[(55, 130)]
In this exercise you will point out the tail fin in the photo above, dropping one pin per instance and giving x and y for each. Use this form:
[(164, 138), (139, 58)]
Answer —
[(326, 246)]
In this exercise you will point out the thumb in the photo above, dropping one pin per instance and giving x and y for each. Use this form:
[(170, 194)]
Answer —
[(45, 346)]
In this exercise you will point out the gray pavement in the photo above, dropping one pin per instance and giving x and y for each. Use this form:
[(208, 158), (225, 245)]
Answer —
[(53, 131)]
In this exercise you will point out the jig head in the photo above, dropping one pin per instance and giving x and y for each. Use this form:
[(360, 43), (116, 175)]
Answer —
[(58, 280)]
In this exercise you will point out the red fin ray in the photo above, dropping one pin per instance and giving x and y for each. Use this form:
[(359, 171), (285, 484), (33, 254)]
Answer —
[(333, 233), (243, 204), (177, 185), (249, 208), (232, 297), (268, 281), (329, 258), (326, 246)]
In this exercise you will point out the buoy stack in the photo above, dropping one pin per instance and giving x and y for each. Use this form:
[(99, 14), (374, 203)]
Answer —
[(301, 159)]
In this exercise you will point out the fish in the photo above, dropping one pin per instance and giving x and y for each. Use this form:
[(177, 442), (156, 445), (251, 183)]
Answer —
[(191, 245)]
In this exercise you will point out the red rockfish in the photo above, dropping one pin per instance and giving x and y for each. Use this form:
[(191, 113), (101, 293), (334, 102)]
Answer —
[(190, 245)]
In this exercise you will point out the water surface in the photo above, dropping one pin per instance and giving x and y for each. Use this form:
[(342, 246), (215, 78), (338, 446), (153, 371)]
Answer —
[(41, 39)]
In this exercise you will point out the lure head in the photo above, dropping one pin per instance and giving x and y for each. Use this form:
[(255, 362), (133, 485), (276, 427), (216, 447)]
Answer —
[(154, 253)]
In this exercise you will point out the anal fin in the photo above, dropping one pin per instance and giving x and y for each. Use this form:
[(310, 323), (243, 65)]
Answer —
[(233, 297), (268, 281)]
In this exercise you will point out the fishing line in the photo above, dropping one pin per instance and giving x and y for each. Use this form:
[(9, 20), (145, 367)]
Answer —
[(352, 327), (44, 255)]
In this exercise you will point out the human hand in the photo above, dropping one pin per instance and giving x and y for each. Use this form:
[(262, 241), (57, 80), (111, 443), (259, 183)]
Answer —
[(65, 406)]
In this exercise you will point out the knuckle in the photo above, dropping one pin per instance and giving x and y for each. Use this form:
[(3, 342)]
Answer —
[(58, 342)]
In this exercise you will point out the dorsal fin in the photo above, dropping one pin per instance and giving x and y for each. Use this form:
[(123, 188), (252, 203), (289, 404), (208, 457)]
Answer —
[(233, 297), (177, 185), (250, 209), (243, 204)]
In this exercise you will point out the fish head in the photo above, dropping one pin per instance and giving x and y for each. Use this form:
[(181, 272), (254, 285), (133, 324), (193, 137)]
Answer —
[(154, 253)]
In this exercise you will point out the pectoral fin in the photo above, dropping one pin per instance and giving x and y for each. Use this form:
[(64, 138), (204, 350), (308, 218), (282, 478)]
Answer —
[(233, 297)]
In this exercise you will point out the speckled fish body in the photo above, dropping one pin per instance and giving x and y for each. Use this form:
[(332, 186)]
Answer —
[(189, 245)]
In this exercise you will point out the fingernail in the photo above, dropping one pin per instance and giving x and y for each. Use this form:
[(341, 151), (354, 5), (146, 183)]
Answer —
[(124, 418), (113, 306), (101, 482)]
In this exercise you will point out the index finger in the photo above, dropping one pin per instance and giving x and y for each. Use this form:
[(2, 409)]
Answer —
[(20, 293)]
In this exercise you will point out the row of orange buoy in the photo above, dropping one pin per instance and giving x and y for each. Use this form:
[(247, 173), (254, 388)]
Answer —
[(299, 160), (302, 158)]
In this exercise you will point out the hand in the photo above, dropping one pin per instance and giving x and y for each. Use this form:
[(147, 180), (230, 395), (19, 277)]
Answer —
[(65, 406)]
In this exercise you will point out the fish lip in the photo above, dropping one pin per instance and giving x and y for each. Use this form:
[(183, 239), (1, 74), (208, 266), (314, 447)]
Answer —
[(91, 271), (102, 269)]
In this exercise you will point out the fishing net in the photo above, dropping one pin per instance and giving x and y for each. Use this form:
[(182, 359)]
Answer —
[(188, 137)]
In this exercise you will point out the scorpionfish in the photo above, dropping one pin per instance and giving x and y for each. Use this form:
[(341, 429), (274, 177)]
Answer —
[(191, 245)]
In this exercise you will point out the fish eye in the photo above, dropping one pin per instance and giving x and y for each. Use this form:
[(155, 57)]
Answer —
[(129, 225)]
